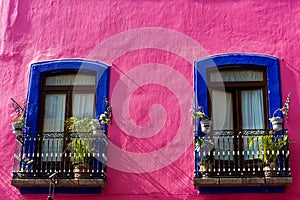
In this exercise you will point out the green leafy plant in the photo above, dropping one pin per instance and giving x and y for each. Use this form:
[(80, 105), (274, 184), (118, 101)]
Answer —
[(105, 118), (19, 121), (204, 159), (202, 142), (82, 139), (199, 113), (205, 122), (80, 150), (271, 144), (199, 143), (75, 125), (18, 115)]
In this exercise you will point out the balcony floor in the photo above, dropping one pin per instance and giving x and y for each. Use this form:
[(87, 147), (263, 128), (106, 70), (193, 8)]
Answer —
[(255, 181), (61, 183)]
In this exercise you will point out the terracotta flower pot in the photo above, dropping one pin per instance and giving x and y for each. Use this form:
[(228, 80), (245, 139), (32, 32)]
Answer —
[(271, 169), (80, 171), (204, 167)]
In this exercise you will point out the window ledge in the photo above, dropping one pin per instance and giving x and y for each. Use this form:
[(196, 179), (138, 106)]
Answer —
[(61, 183), (257, 181)]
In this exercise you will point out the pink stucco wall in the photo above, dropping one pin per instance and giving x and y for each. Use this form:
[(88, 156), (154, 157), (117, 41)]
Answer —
[(32, 31)]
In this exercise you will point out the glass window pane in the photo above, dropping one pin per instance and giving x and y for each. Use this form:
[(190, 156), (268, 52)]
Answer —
[(53, 122), (252, 109), (252, 118), (54, 116), (222, 111), (71, 79), (83, 105), (236, 75)]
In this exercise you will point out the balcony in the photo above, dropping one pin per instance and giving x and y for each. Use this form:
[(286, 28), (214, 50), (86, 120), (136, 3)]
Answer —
[(42, 158), (242, 158)]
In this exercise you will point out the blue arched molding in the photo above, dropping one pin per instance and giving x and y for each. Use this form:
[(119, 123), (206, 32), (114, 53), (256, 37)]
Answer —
[(33, 103), (271, 64), (36, 71)]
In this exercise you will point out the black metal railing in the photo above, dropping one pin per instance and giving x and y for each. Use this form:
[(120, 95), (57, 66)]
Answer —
[(68, 155), (242, 153)]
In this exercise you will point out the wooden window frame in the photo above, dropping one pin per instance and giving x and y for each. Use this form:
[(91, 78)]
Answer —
[(68, 91), (236, 88)]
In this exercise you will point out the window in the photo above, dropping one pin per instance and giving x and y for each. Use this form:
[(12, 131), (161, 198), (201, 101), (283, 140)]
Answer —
[(63, 96), (238, 102), (239, 92), (58, 90)]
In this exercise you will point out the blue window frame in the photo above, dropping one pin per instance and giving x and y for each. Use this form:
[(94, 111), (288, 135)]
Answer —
[(37, 69), (33, 107), (269, 64)]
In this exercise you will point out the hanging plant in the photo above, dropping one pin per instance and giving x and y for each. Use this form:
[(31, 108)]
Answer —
[(205, 122), (276, 120), (18, 118)]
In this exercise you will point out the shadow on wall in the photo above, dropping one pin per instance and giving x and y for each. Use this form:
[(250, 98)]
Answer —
[(167, 182), (7, 191), (18, 26), (16, 32), (289, 80)]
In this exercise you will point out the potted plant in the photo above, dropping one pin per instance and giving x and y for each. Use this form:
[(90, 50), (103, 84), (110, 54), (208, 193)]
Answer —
[(277, 121), (83, 134), (206, 146), (80, 155), (81, 144), (18, 118), (270, 152), (272, 145), (204, 165), (205, 122), (18, 125)]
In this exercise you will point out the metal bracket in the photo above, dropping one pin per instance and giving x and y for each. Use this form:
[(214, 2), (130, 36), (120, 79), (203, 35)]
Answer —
[(53, 178)]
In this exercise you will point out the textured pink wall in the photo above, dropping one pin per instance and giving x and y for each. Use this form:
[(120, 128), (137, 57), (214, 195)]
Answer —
[(32, 31)]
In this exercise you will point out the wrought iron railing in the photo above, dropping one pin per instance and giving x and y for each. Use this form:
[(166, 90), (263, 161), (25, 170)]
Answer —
[(38, 155), (242, 153)]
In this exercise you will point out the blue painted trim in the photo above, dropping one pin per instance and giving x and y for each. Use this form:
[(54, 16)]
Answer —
[(241, 189), (61, 190), (36, 71), (271, 64), (40, 68)]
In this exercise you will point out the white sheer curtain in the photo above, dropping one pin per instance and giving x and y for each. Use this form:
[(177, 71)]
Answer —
[(83, 105), (53, 122), (222, 120), (232, 76), (222, 110), (252, 109), (253, 118), (71, 79)]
